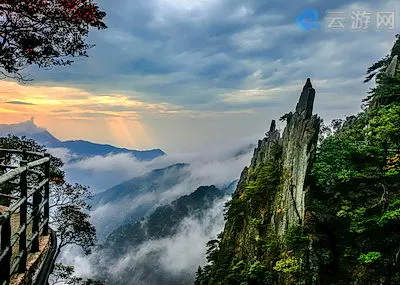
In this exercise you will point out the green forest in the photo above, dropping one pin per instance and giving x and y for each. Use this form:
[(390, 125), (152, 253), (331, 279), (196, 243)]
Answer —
[(350, 233)]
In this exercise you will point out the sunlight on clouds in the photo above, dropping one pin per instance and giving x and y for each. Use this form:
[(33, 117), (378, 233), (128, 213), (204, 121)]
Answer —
[(115, 131), (117, 119), (121, 131), (8, 111), (75, 103), (71, 113)]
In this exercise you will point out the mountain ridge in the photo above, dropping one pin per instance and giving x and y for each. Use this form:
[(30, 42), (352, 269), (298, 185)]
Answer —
[(81, 148)]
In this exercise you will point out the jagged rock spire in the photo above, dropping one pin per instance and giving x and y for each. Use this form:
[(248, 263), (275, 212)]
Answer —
[(262, 152), (391, 70), (306, 102), (299, 142), (272, 134), (284, 201), (308, 83), (272, 128)]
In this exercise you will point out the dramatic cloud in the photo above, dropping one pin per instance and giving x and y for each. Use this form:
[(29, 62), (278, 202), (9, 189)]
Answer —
[(197, 68), (62, 153), (181, 51)]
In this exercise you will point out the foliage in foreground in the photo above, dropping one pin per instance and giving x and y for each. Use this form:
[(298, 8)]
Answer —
[(44, 33)]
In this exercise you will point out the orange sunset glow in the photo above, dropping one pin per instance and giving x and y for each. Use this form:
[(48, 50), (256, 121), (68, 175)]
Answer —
[(71, 113)]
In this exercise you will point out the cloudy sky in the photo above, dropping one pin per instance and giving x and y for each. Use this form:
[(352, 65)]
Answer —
[(183, 75)]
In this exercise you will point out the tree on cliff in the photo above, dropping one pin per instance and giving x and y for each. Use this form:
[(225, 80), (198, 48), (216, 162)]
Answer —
[(356, 202), (380, 65), (44, 33), (68, 202)]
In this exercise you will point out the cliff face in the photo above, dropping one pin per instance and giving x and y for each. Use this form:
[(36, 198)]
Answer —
[(298, 145), (271, 196)]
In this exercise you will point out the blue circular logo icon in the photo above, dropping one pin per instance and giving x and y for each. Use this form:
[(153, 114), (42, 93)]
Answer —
[(308, 20)]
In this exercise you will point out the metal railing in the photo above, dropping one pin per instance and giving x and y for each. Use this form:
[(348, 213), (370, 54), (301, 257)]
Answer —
[(28, 200)]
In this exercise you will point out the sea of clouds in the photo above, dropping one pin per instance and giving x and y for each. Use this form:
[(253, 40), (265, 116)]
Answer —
[(179, 255)]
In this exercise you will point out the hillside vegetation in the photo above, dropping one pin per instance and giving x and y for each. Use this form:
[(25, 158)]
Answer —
[(326, 213)]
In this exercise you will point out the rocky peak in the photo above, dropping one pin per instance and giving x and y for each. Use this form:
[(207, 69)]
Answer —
[(298, 144), (306, 102), (391, 70), (263, 151), (272, 127), (273, 134), (271, 196)]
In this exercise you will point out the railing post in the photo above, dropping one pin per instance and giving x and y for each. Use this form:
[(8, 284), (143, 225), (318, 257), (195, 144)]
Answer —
[(37, 199), (23, 184), (47, 196), (2, 156), (5, 264)]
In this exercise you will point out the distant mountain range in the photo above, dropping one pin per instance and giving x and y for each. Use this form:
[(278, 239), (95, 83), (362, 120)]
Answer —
[(80, 148), (133, 199)]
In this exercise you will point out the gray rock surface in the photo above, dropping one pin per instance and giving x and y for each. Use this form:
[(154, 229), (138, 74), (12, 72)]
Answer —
[(391, 70), (299, 142), (285, 205), (263, 151)]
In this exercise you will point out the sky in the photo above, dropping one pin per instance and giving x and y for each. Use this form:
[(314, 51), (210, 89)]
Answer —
[(185, 75)]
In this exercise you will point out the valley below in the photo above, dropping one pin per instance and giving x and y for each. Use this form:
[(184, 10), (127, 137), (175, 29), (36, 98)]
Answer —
[(153, 213)]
